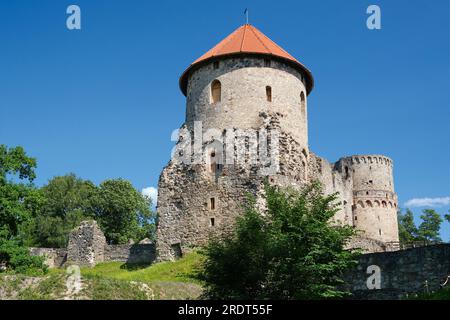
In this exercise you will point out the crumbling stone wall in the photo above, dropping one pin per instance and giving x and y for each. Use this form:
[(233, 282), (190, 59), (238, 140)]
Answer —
[(54, 257), (87, 247), (86, 244)]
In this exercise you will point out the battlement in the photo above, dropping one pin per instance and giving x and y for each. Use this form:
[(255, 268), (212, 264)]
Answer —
[(370, 159)]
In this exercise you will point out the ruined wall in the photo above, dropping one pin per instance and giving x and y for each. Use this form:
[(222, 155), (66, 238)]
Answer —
[(86, 244), (393, 275), (87, 247), (131, 253), (54, 257)]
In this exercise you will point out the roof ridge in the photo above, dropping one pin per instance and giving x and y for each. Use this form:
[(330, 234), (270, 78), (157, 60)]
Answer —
[(243, 38), (262, 42)]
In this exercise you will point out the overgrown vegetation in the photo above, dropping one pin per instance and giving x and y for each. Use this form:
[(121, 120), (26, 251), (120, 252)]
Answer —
[(44, 217), (292, 251)]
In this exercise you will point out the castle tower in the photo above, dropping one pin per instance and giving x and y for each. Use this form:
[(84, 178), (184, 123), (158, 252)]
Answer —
[(374, 199), (242, 76), (243, 84), (249, 84)]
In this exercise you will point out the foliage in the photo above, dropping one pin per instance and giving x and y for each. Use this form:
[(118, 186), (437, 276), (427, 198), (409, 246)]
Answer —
[(17, 258), (292, 251), (16, 197), (428, 230), (123, 212), (407, 229), (430, 226)]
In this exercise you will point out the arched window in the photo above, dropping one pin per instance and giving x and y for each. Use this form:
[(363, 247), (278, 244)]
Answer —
[(216, 91), (269, 93), (369, 203), (303, 104)]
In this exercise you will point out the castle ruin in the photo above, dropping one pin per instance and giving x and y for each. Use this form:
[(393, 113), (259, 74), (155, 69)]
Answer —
[(246, 123)]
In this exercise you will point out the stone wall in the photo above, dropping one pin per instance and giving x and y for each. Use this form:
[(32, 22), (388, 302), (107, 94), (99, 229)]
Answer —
[(393, 275), (87, 247), (54, 257), (131, 253), (86, 244)]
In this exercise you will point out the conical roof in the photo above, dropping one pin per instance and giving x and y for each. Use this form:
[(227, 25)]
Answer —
[(247, 40)]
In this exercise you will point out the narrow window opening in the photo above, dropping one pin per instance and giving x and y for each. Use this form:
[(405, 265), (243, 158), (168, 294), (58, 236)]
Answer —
[(212, 203), (303, 104), (216, 91), (211, 222), (346, 173), (269, 93), (379, 231)]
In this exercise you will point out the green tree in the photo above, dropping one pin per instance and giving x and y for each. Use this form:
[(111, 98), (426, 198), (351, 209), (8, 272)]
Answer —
[(292, 251), (430, 226), (66, 201), (407, 229), (447, 217), (18, 200), (123, 212), (16, 189)]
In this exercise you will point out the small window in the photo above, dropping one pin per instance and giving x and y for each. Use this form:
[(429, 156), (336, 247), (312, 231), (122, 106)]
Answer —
[(379, 231), (267, 63), (216, 91), (216, 65), (177, 252), (303, 104), (356, 218), (371, 181), (269, 93), (211, 222), (212, 203)]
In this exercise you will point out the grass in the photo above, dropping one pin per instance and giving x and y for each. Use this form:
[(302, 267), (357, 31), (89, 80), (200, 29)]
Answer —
[(111, 281), (442, 294), (178, 271)]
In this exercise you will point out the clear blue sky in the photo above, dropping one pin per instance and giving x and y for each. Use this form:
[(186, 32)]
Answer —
[(102, 101)]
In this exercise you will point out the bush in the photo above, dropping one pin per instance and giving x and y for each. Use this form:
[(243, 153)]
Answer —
[(16, 257), (293, 251)]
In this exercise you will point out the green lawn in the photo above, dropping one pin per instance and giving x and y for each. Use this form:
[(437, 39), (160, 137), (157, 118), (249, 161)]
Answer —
[(177, 271)]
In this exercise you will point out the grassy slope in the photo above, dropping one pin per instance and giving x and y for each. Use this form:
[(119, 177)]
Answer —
[(111, 281), (178, 271)]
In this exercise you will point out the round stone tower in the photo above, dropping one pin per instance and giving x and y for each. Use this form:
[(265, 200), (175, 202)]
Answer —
[(374, 199), (243, 76)]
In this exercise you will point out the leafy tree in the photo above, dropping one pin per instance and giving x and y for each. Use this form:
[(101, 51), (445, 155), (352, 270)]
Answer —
[(430, 226), (67, 200), (16, 196), (447, 217), (18, 200), (123, 212), (407, 229), (293, 251)]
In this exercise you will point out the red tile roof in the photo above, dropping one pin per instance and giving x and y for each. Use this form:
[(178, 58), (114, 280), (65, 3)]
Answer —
[(248, 40)]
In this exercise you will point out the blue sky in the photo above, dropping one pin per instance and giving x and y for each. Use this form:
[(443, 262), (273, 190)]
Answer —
[(102, 101)]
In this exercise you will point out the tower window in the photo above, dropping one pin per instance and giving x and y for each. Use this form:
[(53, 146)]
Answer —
[(212, 222), (267, 63), (216, 65), (303, 104), (212, 203), (269, 93), (379, 231), (216, 91)]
